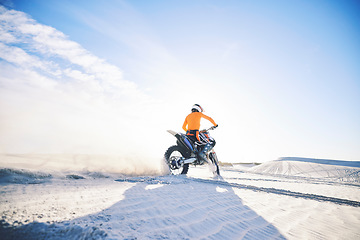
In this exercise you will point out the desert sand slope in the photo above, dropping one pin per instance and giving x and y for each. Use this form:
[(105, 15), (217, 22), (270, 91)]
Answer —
[(345, 171), (166, 207), (243, 204)]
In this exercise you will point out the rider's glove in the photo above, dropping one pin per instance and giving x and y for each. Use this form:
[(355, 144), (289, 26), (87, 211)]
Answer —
[(213, 127)]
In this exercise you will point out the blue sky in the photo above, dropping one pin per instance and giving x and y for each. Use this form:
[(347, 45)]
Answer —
[(281, 78)]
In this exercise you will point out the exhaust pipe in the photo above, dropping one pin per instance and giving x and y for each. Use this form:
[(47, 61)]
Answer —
[(189, 160)]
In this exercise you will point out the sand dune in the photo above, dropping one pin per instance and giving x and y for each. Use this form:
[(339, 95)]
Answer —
[(243, 204), (345, 171)]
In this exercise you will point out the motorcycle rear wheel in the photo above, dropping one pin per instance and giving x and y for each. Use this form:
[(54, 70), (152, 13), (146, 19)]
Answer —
[(174, 153)]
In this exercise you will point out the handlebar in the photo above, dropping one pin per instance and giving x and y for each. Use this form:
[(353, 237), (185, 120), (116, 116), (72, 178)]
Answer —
[(211, 128)]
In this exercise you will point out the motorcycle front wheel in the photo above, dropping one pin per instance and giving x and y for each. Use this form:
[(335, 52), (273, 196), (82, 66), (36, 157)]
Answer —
[(172, 155)]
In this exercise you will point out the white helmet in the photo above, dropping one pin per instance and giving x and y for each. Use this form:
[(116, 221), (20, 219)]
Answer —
[(197, 107)]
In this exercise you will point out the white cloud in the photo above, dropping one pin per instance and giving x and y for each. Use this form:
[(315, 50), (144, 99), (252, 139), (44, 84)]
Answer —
[(20, 32), (55, 96), (19, 57), (78, 75), (6, 36)]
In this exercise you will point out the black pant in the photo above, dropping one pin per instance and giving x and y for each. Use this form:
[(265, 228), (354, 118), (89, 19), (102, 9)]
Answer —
[(193, 135)]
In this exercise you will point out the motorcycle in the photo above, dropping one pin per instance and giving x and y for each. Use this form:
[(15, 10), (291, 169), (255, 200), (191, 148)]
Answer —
[(178, 157)]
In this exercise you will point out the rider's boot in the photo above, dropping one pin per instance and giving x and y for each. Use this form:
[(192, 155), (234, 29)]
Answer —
[(202, 153)]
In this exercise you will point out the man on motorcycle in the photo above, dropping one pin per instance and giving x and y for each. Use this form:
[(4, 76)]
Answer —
[(192, 125)]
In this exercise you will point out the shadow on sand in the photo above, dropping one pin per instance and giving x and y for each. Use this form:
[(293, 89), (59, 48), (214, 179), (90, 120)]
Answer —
[(169, 207)]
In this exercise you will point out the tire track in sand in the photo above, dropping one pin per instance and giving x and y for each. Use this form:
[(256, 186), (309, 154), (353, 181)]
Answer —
[(315, 197)]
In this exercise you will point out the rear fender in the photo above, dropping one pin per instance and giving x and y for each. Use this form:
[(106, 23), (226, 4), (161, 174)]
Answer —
[(183, 141)]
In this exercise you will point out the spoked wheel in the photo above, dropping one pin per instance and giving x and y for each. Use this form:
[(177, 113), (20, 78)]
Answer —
[(173, 157), (215, 163)]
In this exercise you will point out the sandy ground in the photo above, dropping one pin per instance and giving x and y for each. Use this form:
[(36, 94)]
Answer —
[(242, 204)]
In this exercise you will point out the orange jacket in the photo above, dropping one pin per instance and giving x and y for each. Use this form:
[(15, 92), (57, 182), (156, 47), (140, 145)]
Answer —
[(192, 121)]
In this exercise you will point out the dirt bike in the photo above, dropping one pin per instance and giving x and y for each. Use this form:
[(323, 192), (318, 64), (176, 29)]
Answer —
[(185, 152)]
